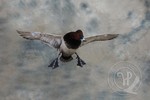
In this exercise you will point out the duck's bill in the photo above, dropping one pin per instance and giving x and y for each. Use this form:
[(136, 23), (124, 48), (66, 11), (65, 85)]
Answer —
[(83, 39)]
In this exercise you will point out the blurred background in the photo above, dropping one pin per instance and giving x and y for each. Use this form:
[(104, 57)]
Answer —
[(24, 74)]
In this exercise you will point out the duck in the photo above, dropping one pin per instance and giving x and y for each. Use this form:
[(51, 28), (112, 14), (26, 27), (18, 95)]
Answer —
[(66, 44)]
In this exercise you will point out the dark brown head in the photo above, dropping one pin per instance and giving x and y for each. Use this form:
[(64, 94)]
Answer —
[(78, 35), (74, 38)]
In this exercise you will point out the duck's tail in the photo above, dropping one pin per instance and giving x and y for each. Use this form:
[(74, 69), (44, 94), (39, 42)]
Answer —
[(66, 59)]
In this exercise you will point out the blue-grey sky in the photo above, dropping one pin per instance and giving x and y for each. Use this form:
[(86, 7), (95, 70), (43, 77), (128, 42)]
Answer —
[(24, 74)]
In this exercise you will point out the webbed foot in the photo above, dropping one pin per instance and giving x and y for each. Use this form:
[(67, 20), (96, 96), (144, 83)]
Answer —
[(80, 61), (54, 64)]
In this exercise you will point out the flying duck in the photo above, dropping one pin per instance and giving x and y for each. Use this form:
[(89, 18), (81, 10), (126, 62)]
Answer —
[(66, 44)]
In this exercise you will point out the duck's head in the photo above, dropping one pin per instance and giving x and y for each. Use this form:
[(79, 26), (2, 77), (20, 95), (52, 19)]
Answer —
[(74, 39), (78, 35)]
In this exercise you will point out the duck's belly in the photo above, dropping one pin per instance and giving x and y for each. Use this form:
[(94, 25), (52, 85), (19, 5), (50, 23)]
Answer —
[(66, 51)]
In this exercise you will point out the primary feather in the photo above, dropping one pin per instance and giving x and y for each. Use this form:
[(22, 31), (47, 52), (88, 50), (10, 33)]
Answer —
[(51, 40), (99, 38)]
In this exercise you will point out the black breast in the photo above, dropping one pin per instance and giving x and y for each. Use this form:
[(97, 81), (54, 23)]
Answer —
[(70, 42)]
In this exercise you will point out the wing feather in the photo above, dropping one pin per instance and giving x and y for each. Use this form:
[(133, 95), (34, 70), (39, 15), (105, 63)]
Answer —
[(51, 40), (99, 38)]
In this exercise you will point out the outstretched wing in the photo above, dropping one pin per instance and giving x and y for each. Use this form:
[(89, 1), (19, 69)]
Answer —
[(99, 38), (51, 40)]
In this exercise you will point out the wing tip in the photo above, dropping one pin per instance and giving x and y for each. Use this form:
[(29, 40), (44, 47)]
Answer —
[(18, 31), (22, 34), (114, 36)]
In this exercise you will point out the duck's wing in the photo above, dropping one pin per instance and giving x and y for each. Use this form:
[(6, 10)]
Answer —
[(104, 37), (49, 39)]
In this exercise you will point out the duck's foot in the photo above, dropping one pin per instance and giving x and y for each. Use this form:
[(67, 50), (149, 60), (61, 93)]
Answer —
[(54, 64), (80, 61)]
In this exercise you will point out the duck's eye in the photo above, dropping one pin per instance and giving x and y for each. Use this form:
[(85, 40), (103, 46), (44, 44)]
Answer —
[(81, 37)]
